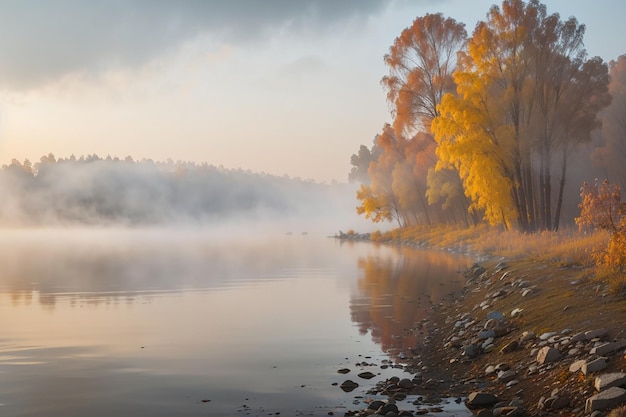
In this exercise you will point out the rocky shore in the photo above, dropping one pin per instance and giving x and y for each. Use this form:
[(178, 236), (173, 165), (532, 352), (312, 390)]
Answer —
[(524, 339)]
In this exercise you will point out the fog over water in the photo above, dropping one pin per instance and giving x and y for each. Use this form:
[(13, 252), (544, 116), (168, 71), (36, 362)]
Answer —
[(151, 322)]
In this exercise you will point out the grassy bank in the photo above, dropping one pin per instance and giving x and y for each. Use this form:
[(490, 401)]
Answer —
[(564, 248)]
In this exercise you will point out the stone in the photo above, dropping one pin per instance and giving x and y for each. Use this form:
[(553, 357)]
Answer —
[(606, 348), (495, 315), (480, 400), (486, 334), (605, 399), (547, 335), (526, 336), (502, 366), (343, 370), (485, 412), (471, 351), (556, 402), (406, 384), (348, 385), (388, 408), (573, 352), (510, 347), (456, 342), (593, 366), (507, 411), (592, 334), (577, 366), (366, 375), (490, 370), (512, 383), (547, 354), (615, 379), (375, 405), (506, 376), (578, 337)]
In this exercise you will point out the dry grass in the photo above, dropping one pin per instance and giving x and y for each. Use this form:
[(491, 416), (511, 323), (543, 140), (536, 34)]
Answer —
[(564, 248), (618, 412)]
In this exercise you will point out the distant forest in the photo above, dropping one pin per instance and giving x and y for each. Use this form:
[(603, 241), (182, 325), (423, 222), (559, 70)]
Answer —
[(90, 190)]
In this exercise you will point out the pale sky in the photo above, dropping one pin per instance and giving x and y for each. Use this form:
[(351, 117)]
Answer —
[(278, 86)]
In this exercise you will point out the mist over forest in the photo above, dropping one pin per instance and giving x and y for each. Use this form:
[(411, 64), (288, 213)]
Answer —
[(95, 191)]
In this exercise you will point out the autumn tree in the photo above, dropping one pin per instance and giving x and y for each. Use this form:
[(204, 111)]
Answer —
[(525, 94), (421, 62), (601, 208)]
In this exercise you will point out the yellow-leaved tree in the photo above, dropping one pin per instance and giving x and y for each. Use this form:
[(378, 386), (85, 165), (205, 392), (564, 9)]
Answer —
[(525, 93)]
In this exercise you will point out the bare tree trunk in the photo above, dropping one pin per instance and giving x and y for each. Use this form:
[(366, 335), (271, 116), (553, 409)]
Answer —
[(559, 202)]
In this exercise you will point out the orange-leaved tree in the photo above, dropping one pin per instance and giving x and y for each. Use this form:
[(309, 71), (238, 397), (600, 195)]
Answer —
[(602, 208)]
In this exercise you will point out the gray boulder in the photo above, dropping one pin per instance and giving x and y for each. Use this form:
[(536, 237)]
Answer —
[(616, 379), (547, 354), (606, 399), (593, 366), (480, 400)]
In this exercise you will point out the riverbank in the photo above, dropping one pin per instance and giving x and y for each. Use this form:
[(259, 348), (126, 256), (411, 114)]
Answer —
[(534, 337)]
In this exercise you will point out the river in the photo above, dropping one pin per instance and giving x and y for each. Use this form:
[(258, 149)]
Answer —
[(192, 323)]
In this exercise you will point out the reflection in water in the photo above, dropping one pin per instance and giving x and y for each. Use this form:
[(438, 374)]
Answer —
[(397, 289), (151, 323)]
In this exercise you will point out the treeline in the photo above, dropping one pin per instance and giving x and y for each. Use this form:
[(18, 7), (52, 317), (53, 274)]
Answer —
[(501, 126), (90, 190)]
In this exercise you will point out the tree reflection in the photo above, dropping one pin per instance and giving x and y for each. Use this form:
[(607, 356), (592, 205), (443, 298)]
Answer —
[(397, 291)]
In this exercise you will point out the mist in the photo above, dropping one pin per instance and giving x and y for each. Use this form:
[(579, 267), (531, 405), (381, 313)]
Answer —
[(94, 192)]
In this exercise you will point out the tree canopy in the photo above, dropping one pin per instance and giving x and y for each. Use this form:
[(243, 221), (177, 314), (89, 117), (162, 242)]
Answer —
[(493, 119)]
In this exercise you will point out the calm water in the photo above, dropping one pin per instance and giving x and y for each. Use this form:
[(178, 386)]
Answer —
[(161, 323)]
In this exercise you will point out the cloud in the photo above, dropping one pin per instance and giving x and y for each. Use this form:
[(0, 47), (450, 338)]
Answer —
[(43, 40)]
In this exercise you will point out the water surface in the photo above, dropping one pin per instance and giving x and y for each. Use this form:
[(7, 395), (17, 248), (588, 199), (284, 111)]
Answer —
[(188, 323)]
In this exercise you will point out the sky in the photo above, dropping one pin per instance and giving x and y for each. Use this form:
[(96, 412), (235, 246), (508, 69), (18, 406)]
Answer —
[(277, 86)]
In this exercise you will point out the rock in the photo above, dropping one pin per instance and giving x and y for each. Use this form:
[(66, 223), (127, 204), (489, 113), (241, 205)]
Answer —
[(510, 347), (516, 312), (593, 366), (490, 370), (526, 336), (406, 384), (556, 402), (348, 385), (592, 334), (606, 399), (507, 411), (388, 408), (547, 335), (501, 367), (456, 342), (485, 412), (366, 375), (616, 379), (547, 354), (506, 376), (512, 382), (495, 315), (486, 334), (576, 366), (480, 400), (471, 351), (375, 405), (343, 371), (607, 348)]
